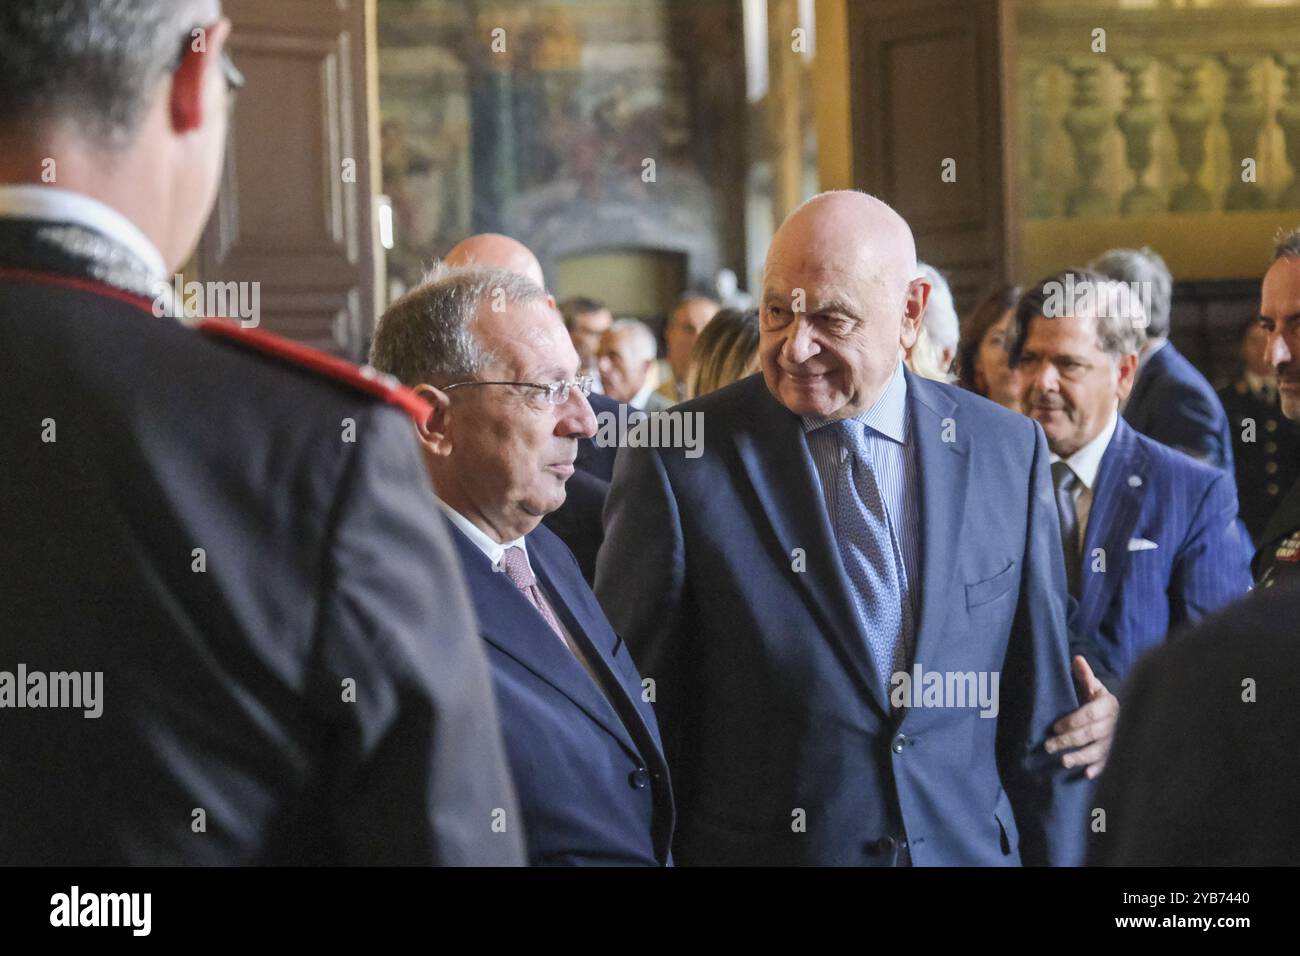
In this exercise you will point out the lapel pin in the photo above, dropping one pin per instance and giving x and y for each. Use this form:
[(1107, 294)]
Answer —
[(1134, 481)]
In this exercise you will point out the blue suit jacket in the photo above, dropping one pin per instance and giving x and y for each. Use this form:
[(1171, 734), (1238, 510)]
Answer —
[(1174, 404), (723, 575), (1147, 494), (588, 766)]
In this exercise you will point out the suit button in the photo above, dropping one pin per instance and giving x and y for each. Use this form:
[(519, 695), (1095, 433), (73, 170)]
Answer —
[(1270, 447), (1270, 425), (1270, 468), (639, 778), (899, 743), (1272, 489)]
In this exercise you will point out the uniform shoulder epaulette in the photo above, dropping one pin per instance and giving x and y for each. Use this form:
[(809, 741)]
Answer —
[(361, 377)]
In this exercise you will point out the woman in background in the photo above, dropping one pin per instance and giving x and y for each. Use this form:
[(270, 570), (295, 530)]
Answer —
[(982, 355), (725, 352)]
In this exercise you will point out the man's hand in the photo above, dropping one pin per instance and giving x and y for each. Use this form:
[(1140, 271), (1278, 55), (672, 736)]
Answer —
[(1090, 727)]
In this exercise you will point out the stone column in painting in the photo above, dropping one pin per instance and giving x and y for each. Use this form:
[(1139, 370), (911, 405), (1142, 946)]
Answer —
[(1243, 117), (1136, 121), (492, 118), (1190, 118), (1086, 122), (1288, 117)]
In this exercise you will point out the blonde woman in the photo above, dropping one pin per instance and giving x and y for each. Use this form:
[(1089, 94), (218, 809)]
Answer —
[(725, 352)]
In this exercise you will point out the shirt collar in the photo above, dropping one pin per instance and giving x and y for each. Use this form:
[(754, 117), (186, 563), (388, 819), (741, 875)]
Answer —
[(494, 550), (888, 416), (640, 398), (51, 204), (1086, 462)]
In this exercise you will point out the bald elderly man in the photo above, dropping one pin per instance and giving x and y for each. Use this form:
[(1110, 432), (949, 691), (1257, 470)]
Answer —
[(852, 606)]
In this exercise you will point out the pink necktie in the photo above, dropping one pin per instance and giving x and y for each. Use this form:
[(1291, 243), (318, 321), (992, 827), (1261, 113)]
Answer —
[(515, 564)]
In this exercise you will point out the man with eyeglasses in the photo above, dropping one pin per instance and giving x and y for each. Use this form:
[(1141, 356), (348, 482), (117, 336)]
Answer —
[(1149, 533), (231, 550), (485, 348)]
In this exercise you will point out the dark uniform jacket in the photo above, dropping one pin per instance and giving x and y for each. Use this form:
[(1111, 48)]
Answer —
[(248, 553), (1268, 465), (1278, 557)]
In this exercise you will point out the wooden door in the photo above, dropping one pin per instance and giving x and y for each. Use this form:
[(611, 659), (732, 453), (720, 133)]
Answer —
[(932, 87), (295, 211)]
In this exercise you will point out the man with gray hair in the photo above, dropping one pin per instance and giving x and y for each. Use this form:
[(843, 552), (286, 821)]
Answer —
[(236, 543), (936, 345), (1170, 400), (627, 356), (487, 350), (1149, 534)]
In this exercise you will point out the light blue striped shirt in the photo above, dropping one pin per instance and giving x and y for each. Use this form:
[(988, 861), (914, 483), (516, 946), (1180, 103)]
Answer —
[(893, 456)]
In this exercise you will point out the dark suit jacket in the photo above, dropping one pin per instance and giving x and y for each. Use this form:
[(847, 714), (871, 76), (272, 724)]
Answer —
[(593, 458), (723, 575), (1174, 404), (1170, 549), (578, 522), (589, 767), (1197, 775), (323, 561)]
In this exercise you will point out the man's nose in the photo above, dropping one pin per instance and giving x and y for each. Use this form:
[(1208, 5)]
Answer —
[(799, 343), (1276, 352), (577, 420), (1045, 378)]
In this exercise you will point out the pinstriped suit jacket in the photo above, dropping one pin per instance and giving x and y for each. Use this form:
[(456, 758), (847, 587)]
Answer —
[(1161, 550)]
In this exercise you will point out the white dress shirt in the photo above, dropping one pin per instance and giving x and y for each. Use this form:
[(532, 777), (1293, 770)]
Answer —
[(495, 551), (1085, 463), (640, 398), (50, 204)]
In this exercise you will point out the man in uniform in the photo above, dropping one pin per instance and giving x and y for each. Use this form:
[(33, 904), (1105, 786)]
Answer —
[(234, 628), (1278, 555), (1265, 445)]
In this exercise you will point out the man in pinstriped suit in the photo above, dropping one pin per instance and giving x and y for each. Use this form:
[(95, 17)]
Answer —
[(1149, 533)]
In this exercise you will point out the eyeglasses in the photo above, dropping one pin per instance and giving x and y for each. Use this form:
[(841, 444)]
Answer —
[(556, 393), (233, 77)]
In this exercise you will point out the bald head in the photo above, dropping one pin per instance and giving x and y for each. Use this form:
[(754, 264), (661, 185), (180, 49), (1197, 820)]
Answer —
[(848, 231), (498, 251), (842, 297)]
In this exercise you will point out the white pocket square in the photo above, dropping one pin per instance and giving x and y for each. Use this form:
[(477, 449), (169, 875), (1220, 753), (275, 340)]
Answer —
[(1141, 544)]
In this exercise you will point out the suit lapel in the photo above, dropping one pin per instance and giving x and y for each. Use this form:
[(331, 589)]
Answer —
[(511, 624), (779, 466), (1116, 504), (942, 451), (587, 625)]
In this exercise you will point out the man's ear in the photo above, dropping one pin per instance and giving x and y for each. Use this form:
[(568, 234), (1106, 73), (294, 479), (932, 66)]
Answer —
[(435, 431), (918, 295), (201, 60), (1127, 374)]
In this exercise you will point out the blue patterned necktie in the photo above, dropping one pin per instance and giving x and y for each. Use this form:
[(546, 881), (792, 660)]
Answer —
[(871, 555)]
